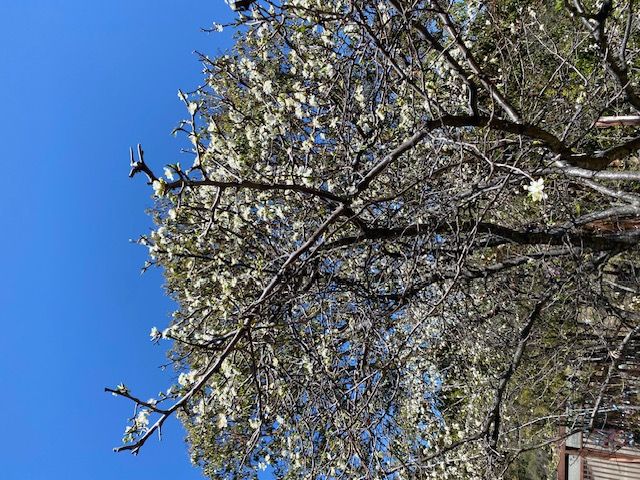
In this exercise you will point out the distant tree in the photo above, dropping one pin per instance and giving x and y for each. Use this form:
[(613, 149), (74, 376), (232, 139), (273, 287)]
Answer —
[(402, 248)]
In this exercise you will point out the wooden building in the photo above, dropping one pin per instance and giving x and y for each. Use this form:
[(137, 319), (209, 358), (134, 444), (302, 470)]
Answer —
[(599, 455)]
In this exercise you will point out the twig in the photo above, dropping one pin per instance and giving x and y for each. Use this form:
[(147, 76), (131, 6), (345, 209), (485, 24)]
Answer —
[(140, 165)]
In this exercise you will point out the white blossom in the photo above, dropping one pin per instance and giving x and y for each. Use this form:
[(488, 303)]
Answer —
[(159, 187), (270, 119), (254, 423), (122, 388), (168, 172), (536, 190), (235, 116), (155, 334), (222, 422), (142, 419), (186, 379)]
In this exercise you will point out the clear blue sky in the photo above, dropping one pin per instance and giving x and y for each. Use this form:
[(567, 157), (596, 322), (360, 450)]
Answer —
[(80, 81)]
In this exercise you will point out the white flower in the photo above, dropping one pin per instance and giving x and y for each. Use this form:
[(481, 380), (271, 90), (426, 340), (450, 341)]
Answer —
[(300, 97), (359, 95), (155, 334), (254, 423), (222, 421), (142, 419), (185, 379), (307, 145), (217, 27), (350, 29), (226, 368), (305, 173), (193, 108), (121, 388), (235, 117), (308, 366), (536, 190), (267, 87), (270, 119), (168, 173), (159, 187), (263, 464), (160, 233)]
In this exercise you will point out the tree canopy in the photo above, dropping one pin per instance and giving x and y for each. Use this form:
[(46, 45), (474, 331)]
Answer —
[(401, 246)]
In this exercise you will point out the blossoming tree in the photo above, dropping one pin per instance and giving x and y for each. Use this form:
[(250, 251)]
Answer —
[(401, 245)]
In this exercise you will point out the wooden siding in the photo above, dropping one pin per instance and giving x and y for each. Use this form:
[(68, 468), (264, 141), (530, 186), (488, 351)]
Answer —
[(600, 455)]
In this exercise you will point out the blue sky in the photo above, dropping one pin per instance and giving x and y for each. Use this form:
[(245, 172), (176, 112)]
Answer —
[(81, 81)]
